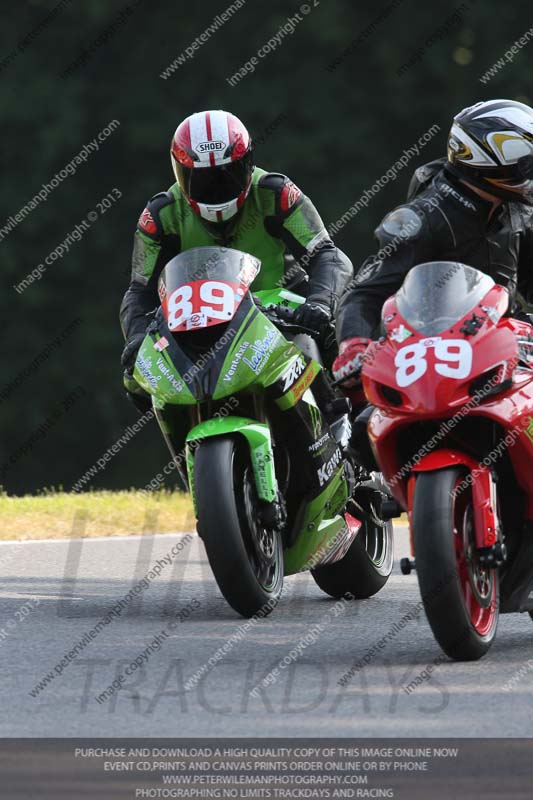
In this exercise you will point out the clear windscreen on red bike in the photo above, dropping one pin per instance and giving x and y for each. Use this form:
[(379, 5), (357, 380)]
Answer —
[(204, 286), (434, 296)]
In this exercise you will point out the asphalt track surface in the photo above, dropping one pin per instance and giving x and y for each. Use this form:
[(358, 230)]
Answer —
[(54, 592)]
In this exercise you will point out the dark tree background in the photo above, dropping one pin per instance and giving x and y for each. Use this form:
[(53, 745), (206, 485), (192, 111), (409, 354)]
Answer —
[(334, 131)]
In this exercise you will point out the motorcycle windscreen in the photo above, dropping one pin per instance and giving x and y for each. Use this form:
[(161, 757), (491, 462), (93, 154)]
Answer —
[(434, 296), (204, 286)]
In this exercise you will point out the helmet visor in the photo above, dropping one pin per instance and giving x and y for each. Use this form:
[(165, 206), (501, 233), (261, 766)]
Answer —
[(215, 185)]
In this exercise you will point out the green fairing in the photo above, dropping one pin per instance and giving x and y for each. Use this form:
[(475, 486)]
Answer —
[(189, 456), (272, 297), (157, 375), (258, 437), (257, 356), (322, 513)]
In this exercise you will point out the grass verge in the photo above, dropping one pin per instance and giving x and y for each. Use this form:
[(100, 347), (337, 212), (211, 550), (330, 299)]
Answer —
[(64, 515)]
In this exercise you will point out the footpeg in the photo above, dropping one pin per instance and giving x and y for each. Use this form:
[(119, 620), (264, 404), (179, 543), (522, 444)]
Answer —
[(365, 503), (337, 407), (407, 566), (390, 508)]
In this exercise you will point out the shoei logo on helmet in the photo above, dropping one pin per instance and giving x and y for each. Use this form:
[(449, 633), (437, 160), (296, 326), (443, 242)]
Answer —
[(209, 147)]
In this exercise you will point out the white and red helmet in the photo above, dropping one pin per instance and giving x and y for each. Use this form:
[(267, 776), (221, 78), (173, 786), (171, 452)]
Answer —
[(212, 158)]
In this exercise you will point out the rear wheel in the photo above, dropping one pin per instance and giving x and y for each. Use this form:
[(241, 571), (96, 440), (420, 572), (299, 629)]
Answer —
[(460, 595), (366, 567), (246, 557)]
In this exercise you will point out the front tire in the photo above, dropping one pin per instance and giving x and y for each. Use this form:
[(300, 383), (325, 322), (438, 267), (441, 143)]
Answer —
[(246, 558), (461, 597)]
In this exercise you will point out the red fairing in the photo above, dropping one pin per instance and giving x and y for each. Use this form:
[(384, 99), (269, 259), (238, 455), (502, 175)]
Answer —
[(433, 374), (413, 378), (201, 304), (482, 490)]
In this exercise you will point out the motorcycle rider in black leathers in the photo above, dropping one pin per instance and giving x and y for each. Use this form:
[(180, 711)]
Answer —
[(473, 207)]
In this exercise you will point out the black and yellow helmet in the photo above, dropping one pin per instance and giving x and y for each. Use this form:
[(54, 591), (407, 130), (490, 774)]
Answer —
[(491, 146)]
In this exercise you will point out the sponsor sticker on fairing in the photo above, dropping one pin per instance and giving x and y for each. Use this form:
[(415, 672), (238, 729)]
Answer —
[(232, 369), (327, 470), (171, 378), (431, 341), (400, 334), (293, 372), (492, 313), (261, 348), (161, 344), (197, 320), (247, 273), (144, 365)]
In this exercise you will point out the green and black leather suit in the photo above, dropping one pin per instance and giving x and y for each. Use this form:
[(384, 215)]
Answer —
[(277, 224)]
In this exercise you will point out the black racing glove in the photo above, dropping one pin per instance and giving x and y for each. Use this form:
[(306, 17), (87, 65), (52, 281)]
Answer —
[(129, 354), (312, 315), (135, 393)]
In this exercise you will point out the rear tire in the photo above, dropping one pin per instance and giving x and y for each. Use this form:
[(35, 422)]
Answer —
[(366, 567), (246, 558), (461, 598)]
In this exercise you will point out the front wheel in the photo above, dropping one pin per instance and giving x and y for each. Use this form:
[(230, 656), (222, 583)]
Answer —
[(246, 558), (460, 595)]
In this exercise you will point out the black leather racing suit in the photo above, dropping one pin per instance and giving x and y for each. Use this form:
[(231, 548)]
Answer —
[(443, 220)]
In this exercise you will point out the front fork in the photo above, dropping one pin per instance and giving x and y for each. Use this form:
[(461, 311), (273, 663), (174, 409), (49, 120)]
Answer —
[(487, 528)]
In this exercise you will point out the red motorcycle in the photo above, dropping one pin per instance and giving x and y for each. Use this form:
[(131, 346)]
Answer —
[(451, 380)]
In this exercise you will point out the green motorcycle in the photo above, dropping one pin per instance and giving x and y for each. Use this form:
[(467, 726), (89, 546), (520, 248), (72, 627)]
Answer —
[(264, 463)]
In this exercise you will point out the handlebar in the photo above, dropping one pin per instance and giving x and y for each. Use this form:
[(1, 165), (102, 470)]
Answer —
[(283, 318)]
